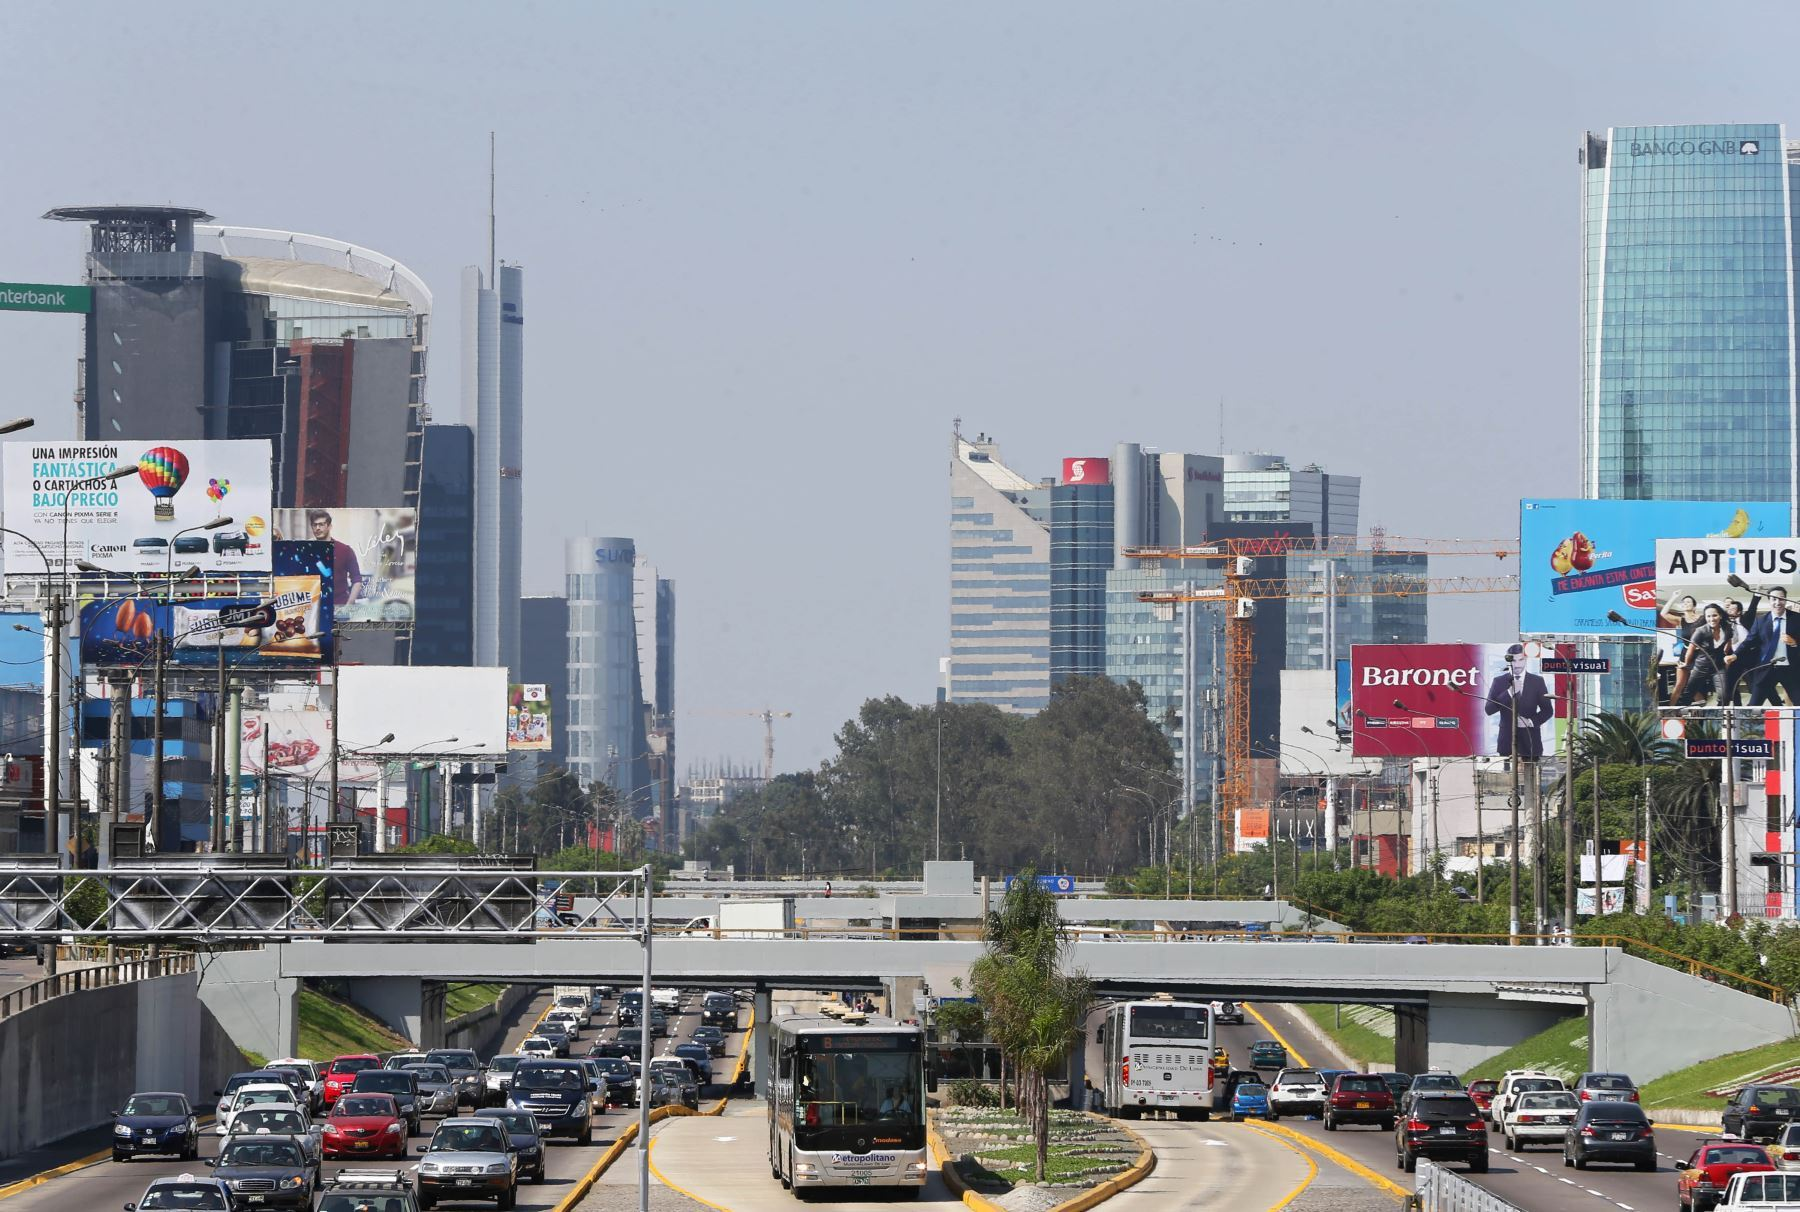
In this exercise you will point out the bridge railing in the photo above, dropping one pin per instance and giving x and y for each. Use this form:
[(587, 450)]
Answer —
[(1439, 1190), (75, 980)]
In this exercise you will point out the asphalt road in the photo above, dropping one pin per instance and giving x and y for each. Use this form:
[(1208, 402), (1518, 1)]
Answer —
[(111, 1184)]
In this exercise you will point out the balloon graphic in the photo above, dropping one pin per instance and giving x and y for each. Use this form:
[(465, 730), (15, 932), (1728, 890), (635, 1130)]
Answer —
[(216, 489), (163, 469)]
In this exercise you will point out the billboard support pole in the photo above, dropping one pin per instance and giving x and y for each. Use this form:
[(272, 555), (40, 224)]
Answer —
[(217, 832), (1569, 810), (119, 801), (1731, 858), (53, 767), (1512, 850), (1480, 838), (331, 809), (1540, 887), (156, 742), (234, 758)]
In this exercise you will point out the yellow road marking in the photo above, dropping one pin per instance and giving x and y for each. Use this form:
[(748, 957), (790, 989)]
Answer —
[(1293, 1052), (1343, 1159), (1312, 1172)]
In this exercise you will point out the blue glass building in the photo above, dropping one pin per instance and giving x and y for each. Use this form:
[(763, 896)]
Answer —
[(1081, 554), (999, 581)]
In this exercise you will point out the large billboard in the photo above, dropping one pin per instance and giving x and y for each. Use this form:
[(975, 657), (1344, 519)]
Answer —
[(1448, 700), (149, 522), (289, 627), (375, 555), (1580, 559), (430, 709), (295, 743), (527, 716), (1725, 631)]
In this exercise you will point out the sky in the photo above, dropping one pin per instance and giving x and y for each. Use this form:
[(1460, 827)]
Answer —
[(774, 250)]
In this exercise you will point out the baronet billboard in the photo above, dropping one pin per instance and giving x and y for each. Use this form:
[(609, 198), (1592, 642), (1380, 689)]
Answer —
[(1448, 700)]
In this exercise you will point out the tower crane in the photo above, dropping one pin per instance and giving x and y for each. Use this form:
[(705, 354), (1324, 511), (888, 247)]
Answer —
[(768, 716), (1243, 588)]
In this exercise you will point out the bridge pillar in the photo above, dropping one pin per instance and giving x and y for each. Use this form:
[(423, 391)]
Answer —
[(758, 1042), (1468, 1028), (258, 1007), (1412, 1038), (409, 1005)]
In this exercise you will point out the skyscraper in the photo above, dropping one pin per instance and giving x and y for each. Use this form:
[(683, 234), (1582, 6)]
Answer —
[(544, 660), (1081, 554), (1687, 310), (442, 632), (605, 732), (999, 581), (493, 393)]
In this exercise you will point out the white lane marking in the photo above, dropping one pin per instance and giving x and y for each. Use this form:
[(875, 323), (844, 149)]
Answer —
[(1570, 1181), (1217, 1144), (1591, 1191), (1627, 1207), (1540, 1169), (723, 1139)]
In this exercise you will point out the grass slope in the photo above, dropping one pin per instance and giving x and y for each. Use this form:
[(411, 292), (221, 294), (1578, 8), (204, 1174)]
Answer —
[(331, 1028), (1688, 1087), (1561, 1049), (462, 999), (1358, 1031)]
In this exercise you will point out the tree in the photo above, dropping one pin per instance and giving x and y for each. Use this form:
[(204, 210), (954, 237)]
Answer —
[(1033, 1008)]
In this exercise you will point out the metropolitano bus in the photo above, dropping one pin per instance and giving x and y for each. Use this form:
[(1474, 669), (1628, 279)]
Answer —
[(847, 1103), (1157, 1057)]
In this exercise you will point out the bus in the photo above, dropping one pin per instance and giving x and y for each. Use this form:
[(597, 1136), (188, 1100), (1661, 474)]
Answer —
[(847, 1103), (1157, 1057)]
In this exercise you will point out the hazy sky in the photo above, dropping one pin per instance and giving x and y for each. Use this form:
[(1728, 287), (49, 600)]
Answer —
[(772, 249)]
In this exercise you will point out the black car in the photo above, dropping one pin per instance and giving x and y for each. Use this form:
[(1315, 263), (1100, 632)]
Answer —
[(711, 1038), (559, 1038), (360, 1190), (621, 1083), (1397, 1083), (265, 1172), (155, 1122), (718, 1010), (465, 1067), (403, 1084), (557, 1093), (1760, 1112), (699, 1058), (1441, 1125), (1610, 1132), (624, 1048), (527, 1141)]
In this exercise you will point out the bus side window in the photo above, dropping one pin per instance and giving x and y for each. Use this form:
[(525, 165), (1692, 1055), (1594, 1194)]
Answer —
[(1100, 1034)]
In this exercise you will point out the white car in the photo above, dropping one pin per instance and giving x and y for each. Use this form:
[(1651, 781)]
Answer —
[(668, 999), (258, 1095), (1297, 1092), (1514, 1083), (569, 1020), (1228, 1012), (315, 1077), (539, 1047), (1539, 1117)]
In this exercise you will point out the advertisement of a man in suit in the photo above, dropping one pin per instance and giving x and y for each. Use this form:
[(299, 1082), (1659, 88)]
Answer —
[(1728, 635), (1522, 704), (1451, 700)]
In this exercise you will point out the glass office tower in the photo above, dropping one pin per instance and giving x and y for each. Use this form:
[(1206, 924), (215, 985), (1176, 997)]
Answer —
[(1081, 554)]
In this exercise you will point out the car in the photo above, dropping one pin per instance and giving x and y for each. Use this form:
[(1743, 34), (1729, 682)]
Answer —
[(527, 1141), (1268, 1054), (230, 540), (1538, 1117), (403, 1084), (666, 1090), (401, 1060), (469, 1157), (1700, 1181), (311, 1071), (256, 1094), (1398, 1084), (1359, 1098), (718, 1010), (1482, 1092), (557, 1037), (437, 1089), (625, 1047), (465, 1067), (710, 1038), (571, 1021), (155, 1121), (368, 1190), (1762, 1192), (275, 1120), (678, 1070), (596, 1083), (700, 1055), (1228, 1012), (1296, 1092), (1785, 1151), (1614, 1087), (1434, 1081), (537, 1046), (366, 1124), (248, 1077), (659, 1022), (582, 1006), (1248, 1099), (1760, 1112), (1512, 1085), (296, 1081), (496, 1078), (184, 1191), (557, 1093), (341, 1073), (191, 544), (266, 1172), (1610, 1132), (1441, 1125), (620, 1084)]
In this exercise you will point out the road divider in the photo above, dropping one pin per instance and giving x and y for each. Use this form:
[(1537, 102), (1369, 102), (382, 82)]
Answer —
[(1312, 1172), (1326, 1151), (1095, 1195)]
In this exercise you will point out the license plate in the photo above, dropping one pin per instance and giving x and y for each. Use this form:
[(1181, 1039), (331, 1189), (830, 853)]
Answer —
[(1362, 1106), (362, 1144), (465, 1182), (256, 1199), (1621, 1136), (1783, 1112), (860, 1180), (1167, 1097), (1446, 1131)]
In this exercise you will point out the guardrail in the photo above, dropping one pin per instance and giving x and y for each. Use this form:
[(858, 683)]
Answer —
[(79, 979), (1439, 1190)]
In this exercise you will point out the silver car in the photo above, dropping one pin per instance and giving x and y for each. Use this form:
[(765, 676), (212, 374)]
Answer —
[(1785, 1152), (470, 1157), (1540, 1118), (437, 1089)]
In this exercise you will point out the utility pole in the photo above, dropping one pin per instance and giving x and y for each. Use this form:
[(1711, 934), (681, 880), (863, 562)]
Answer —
[(53, 624), (119, 740), (1568, 809), (234, 741), (1649, 873), (1731, 856), (1512, 849), (219, 828), (1599, 876), (1480, 838), (156, 737)]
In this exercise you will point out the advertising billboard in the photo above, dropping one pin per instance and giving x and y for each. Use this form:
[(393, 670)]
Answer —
[(146, 523), (442, 709), (527, 716), (375, 555), (296, 743), (290, 627), (1724, 629), (1580, 559), (1448, 700), (1086, 471)]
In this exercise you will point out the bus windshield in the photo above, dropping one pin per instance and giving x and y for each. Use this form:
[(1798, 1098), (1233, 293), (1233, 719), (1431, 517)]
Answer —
[(1169, 1022), (836, 1087)]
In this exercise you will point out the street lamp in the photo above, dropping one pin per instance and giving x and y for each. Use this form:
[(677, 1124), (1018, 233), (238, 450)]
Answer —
[(15, 425)]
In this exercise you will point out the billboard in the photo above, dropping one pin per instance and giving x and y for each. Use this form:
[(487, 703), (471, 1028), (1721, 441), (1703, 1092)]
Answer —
[(137, 524), (289, 627), (1447, 700), (296, 743), (1086, 471), (1724, 630), (1580, 559), (441, 709), (375, 554), (527, 716)]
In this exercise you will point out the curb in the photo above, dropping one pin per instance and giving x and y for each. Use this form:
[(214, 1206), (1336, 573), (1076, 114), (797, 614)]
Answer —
[(1098, 1194), (1312, 1172), (1342, 1159), (80, 1163)]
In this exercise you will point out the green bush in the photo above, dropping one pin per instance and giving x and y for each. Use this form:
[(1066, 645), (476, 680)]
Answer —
[(971, 1092)]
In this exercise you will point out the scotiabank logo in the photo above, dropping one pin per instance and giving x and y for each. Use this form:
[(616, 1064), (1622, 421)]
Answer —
[(1641, 596), (1086, 471)]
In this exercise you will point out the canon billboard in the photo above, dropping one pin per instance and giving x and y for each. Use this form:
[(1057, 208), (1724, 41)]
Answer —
[(1447, 700), (1086, 471)]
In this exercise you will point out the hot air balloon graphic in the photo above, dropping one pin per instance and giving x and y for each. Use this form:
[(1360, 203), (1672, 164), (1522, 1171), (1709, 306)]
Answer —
[(163, 469)]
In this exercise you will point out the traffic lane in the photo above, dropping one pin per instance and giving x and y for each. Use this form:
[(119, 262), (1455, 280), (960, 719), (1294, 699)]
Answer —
[(1213, 1166), (18, 971)]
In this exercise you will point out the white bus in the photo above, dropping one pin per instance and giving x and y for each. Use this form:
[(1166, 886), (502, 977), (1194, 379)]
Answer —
[(847, 1104), (1157, 1057)]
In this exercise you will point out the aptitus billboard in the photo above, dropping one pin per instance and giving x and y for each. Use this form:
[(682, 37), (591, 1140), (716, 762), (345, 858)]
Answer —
[(1447, 700)]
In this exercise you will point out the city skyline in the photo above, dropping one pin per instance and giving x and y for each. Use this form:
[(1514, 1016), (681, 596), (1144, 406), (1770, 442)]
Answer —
[(759, 297)]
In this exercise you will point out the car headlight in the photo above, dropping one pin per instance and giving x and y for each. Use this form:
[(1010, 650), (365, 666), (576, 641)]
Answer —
[(429, 1168), (497, 1168), (293, 1182), (121, 1130)]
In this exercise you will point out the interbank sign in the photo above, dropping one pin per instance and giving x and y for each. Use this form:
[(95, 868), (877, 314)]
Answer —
[(33, 296), (1698, 147)]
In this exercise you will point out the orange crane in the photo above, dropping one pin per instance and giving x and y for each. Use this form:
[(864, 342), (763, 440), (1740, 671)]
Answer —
[(768, 716), (1243, 589)]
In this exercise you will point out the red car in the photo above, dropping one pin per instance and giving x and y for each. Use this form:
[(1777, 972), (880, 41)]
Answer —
[(1359, 1098), (1700, 1182), (365, 1125), (341, 1073), (1483, 1092)]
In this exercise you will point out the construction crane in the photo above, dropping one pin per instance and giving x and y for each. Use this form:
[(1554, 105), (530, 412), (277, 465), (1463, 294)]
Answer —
[(1243, 589), (768, 716)]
